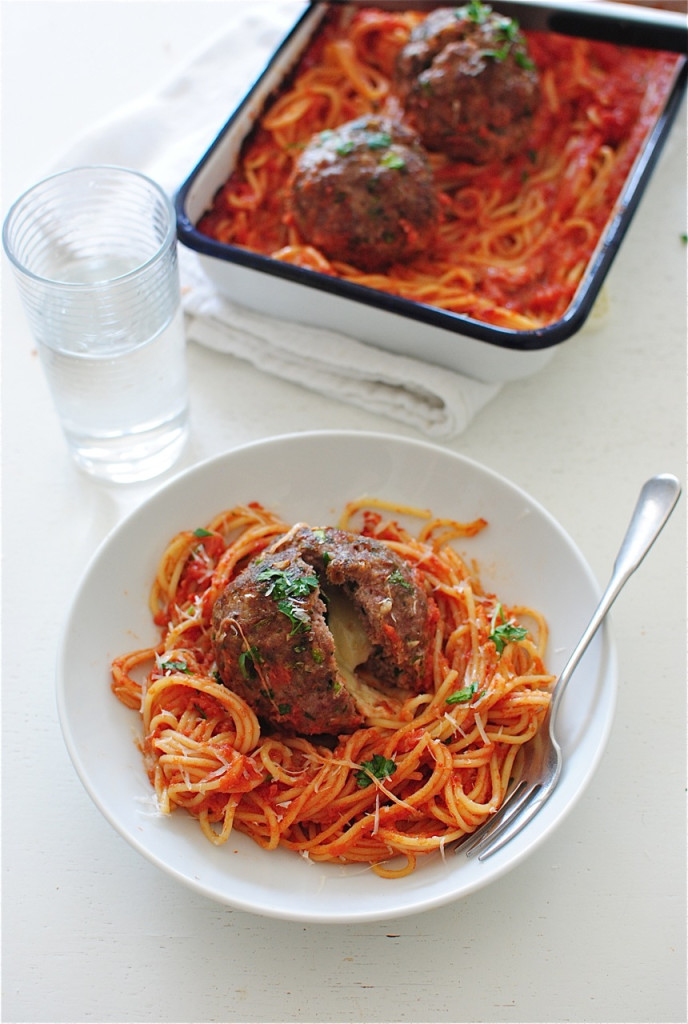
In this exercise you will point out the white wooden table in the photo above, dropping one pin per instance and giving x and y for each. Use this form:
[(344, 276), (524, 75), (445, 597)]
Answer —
[(592, 926)]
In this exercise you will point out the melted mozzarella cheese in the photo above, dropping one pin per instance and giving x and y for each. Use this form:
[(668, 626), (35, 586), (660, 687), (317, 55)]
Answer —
[(351, 644), (353, 648)]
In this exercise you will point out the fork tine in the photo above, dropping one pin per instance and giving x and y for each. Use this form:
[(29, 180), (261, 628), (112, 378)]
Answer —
[(516, 823), (519, 796)]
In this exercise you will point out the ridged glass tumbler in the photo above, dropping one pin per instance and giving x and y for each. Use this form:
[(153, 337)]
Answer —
[(94, 253)]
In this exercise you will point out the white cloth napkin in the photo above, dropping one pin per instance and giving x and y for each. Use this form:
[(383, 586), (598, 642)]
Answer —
[(164, 134)]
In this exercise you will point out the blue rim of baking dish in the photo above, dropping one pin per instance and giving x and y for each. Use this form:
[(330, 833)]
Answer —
[(562, 18)]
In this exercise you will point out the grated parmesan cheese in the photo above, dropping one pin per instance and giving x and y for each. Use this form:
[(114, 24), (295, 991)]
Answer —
[(481, 728)]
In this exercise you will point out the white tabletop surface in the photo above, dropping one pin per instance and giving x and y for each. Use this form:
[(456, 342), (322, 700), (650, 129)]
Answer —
[(591, 927)]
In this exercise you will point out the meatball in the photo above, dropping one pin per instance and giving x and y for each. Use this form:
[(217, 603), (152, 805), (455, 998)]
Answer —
[(274, 647), (363, 193), (381, 585), (468, 84)]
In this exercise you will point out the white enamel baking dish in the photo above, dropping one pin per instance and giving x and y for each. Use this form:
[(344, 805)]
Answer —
[(399, 325)]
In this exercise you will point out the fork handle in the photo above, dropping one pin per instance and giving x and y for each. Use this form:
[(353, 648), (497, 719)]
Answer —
[(654, 506)]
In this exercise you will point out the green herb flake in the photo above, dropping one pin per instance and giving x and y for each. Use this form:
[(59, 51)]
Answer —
[(505, 632), (297, 616), (200, 711), (284, 584), (248, 661), (398, 579), (509, 28), (378, 767), (393, 161), (475, 11), (286, 588), (462, 696), (284, 709), (202, 532), (176, 665), (524, 61), (498, 55), (379, 140)]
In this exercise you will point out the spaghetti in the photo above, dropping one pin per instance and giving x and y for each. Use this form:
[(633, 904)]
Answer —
[(515, 237), (425, 768)]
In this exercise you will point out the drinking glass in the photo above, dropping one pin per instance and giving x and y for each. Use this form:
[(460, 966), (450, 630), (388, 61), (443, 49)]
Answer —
[(94, 253)]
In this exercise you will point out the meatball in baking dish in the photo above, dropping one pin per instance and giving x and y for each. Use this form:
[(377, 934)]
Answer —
[(274, 636), (363, 193), (468, 84)]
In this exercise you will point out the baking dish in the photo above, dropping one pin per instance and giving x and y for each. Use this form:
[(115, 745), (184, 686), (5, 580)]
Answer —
[(458, 342)]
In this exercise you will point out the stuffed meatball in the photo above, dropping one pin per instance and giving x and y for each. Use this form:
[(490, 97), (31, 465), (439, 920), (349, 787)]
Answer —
[(363, 193), (468, 84), (273, 647), (392, 608), (274, 636)]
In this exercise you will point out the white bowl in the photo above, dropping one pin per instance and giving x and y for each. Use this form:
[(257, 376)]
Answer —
[(525, 557)]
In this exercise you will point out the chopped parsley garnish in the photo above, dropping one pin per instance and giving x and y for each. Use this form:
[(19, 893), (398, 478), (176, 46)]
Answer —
[(379, 140), (463, 696), (507, 31), (297, 616), (202, 532), (248, 661), (286, 588), (393, 160), (475, 11), (378, 768), (505, 632), (498, 55), (284, 584), (524, 61), (176, 665), (397, 577), (509, 28)]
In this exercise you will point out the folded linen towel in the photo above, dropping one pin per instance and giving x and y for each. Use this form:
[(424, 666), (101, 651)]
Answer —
[(163, 134), (436, 401)]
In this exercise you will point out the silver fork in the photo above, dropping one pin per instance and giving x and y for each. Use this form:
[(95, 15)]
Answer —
[(543, 755)]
